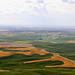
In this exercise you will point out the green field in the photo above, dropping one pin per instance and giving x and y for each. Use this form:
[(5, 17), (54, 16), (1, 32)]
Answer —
[(16, 66), (51, 41), (29, 35), (64, 49)]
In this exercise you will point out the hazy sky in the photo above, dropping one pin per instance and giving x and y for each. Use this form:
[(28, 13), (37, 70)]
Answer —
[(36, 13)]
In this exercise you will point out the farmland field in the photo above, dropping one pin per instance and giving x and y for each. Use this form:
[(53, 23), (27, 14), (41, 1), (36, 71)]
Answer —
[(36, 52)]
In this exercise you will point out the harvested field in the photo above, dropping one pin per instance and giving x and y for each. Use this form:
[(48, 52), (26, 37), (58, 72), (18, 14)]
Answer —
[(71, 41), (5, 50), (25, 53), (67, 62), (56, 57), (2, 54), (31, 51), (4, 70), (37, 61)]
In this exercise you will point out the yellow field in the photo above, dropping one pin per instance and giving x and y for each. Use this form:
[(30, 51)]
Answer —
[(31, 51), (71, 41)]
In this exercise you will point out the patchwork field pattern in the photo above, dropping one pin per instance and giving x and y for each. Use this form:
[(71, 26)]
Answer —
[(13, 49), (34, 51)]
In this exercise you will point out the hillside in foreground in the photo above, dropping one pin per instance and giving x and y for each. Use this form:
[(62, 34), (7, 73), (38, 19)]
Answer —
[(21, 59), (32, 51)]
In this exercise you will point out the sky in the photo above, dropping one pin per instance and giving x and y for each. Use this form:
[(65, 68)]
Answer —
[(37, 13)]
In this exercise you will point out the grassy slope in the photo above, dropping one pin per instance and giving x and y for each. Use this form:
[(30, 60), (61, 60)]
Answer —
[(37, 72), (16, 67), (66, 50)]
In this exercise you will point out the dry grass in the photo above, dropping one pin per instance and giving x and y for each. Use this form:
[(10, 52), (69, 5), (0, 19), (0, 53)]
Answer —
[(31, 51), (67, 63), (2, 54), (37, 61), (71, 41), (4, 70)]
